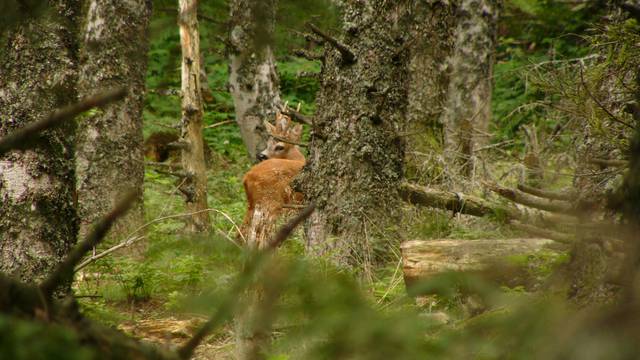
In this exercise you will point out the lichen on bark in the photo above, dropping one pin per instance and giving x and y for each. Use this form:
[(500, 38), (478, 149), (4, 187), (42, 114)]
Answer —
[(109, 145), (38, 220), (432, 42), (470, 66), (356, 160)]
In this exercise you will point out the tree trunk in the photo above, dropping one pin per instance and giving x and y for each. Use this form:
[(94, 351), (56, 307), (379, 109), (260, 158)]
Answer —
[(195, 184), (356, 161), (432, 32), (253, 80), (109, 144), (468, 107), (38, 220)]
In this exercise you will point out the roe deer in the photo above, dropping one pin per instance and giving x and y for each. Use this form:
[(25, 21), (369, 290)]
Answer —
[(268, 183)]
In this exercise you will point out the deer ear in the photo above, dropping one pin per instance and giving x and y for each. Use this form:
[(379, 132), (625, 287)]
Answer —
[(296, 133), (270, 128)]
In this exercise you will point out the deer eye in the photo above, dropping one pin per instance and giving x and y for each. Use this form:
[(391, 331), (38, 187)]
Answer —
[(279, 147)]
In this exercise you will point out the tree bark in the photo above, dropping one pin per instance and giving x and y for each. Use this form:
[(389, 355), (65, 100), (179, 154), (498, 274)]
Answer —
[(110, 142), (356, 161), (195, 184), (468, 107), (430, 47), (38, 219), (253, 80)]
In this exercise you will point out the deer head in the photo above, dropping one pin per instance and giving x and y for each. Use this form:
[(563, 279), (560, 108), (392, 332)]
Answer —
[(276, 147)]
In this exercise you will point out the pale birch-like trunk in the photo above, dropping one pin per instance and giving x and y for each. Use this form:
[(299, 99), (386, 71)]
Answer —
[(38, 219), (193, 164), (110, 143), (468, 106), (253, 80)]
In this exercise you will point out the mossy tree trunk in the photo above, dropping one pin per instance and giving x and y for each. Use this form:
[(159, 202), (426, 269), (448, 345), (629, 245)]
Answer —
[(468, 106), (109, 146), (193, 164), (356, 161), (432, 32), (253, 80), (38, 220)]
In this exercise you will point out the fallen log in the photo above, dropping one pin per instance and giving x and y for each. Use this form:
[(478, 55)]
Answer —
[(472, 205), (449, 200), (424, 258)]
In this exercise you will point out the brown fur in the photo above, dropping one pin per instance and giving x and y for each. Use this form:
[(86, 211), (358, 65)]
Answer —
[(268, 184)]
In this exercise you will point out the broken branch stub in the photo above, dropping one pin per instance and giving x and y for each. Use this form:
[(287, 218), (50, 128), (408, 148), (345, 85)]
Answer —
[(347, 55)]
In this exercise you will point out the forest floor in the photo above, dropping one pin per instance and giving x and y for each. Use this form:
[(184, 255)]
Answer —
[(164, 287)]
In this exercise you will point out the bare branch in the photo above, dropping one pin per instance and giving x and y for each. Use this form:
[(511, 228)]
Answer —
[(296, 116), (609, 162), (546, 233), (179, 145), (21, 138), (307, 54), (64, 271), (520, 197), (613, 117), (127, 242), (554, 195), (229, 303), (294, 206), (161, 164), (288, 141), (219, 124), (288, 228), (347, 55)]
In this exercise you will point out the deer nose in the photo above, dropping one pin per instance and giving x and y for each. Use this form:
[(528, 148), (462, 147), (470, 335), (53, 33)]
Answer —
[(262, 157)]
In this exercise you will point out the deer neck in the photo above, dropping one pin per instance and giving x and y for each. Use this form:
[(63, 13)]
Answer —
[(296, 154)]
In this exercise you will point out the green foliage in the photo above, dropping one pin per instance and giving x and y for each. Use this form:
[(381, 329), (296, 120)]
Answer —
[(23, 340), (534, 32), (323, 312)]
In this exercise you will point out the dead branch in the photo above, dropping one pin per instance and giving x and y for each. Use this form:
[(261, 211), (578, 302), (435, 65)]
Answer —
[(547, 194), (127, 242), (288, 141), (449, 200), (163, 165), (228, 305), (21, 139), (219, 124), (286, 229), (308, 74), (520, 197), (609, 162), (294, 206), (179, 145), (347, 55), (609, 113), (311, 56), (296, 116), (475, 206), (546, 233), (64, 271)]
